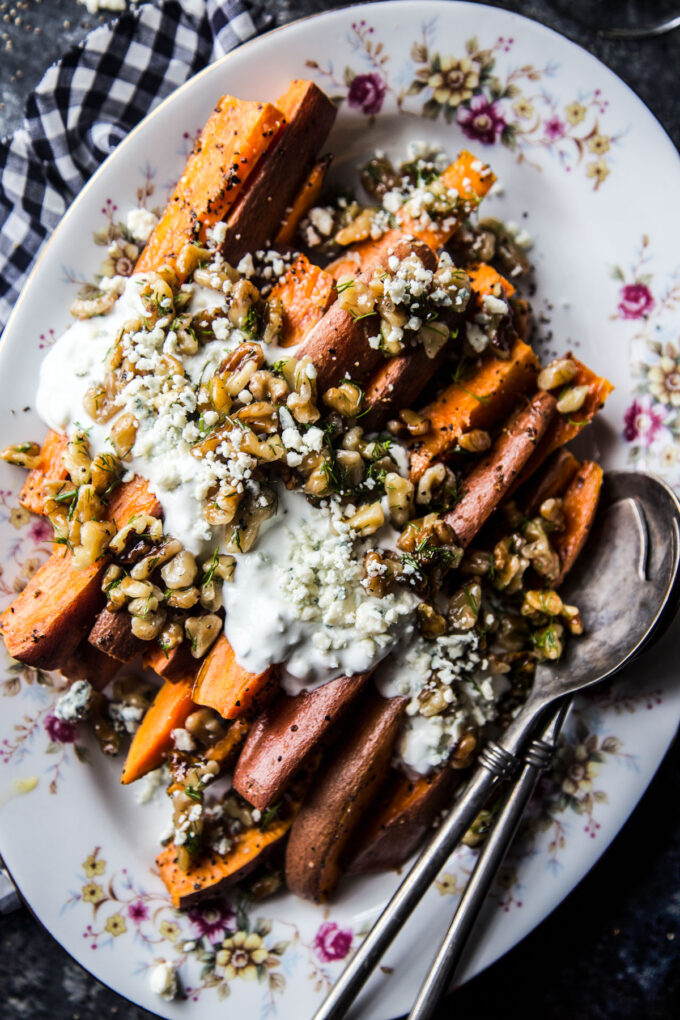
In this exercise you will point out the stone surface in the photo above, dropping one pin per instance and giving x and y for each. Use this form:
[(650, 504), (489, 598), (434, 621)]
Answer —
[(610, 952)]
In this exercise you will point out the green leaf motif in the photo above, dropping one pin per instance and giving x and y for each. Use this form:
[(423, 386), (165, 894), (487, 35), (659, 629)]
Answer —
[(349, 76)]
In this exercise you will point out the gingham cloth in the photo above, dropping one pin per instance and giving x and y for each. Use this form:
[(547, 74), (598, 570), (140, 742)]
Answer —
[(85, 105)]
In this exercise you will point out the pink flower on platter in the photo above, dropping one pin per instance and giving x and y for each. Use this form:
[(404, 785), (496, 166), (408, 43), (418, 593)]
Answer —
[(59, 731), (643, 420), (40, 530), (481, 120), (554, 128), (636, 301), (138, 912), (367, 93), (332, 943), (212, 919)]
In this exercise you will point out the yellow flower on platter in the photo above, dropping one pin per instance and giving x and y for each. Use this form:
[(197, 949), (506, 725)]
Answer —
[(599, 144), (664, 380), (240, 956), (669, 456), (92, 893), (523, 108), (598, 169), (454, 81), (31, 566), (115, 925), (92, 866), (169, 930), (18, 517), (576, 112), (447, 885)]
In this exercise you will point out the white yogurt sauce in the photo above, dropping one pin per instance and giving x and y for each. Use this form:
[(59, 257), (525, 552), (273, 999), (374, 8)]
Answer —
[(297, 597)]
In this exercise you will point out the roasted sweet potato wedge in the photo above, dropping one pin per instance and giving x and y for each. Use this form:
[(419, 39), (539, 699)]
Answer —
[(340, 794), (285, 732), (255, 218), (213, 873), (338, 344), (112, 634), (228, 688), (50, 468), (489, 482), (579, 505), (477, 401), (168, 711), (404, 811)]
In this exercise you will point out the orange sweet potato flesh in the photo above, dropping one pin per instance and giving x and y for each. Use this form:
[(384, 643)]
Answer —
[(171, 664), (556, 476), (398, 381), (228, 688), (51, 467), (285, 732), (579, 505), (168, 711), (566, 427), (403, 812), (227, 747), (341, 793), (305, 291), (476, 402), (306, 197), (254, 220), (489, 481), (472, 184), (45, 623), (338, 344), (230, 145), (213, 873)]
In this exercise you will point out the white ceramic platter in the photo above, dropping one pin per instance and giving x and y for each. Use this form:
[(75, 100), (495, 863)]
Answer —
[(589, 173)]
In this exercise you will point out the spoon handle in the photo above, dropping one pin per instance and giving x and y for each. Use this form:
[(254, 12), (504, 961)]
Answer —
[(439, 977)]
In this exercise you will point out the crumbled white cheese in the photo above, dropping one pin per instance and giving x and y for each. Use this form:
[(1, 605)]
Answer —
[(183, 740), (163, 980), (141, 223), (75, 703)]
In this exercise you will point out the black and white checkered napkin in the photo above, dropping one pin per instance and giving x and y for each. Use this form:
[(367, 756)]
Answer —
[(85, 105)]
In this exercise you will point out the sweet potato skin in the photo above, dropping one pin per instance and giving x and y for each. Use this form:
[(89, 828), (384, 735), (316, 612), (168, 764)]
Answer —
[(50, 468), (579, 505), (554, 479), (338, 344), (228, 688), (488, 483), (476, 402), (399, 380), (213, 873), (341, 792), (564, 428), (168, 711), (87, 663), (285, 732), (254, 220), (112, 635), (404, 811)]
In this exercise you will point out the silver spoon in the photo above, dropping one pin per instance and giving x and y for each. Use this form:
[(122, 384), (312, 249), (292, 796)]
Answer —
[(624, 584)]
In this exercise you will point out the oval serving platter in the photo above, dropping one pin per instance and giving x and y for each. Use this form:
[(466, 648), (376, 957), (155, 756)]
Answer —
[(590, 174)]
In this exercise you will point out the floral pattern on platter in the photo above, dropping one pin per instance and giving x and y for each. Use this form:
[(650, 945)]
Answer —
[(223, 939), (651, 422), (509, 104), (122, 249)]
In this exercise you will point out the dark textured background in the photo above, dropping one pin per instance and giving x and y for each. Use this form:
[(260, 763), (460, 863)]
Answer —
[(610, 952)]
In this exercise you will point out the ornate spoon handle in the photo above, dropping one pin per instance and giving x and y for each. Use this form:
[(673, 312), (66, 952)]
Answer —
[(438, 979)]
